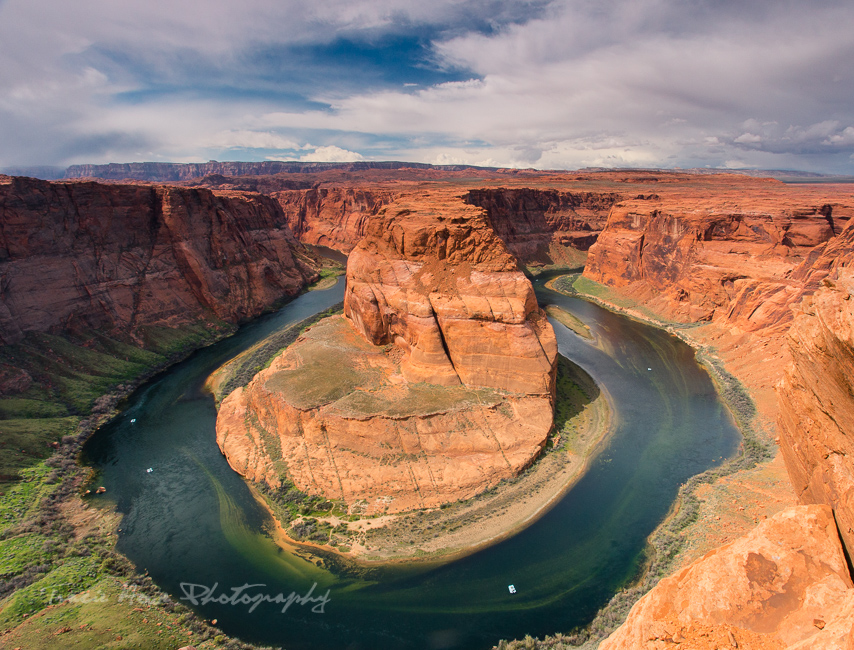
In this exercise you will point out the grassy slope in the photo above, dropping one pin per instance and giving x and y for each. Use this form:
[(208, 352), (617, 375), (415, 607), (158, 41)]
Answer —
[(62, 585)]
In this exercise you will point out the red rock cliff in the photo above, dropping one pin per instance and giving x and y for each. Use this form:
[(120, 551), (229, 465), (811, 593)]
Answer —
[(117, 257), (817, 392), (729, 255), (537, 225), (332, 217)]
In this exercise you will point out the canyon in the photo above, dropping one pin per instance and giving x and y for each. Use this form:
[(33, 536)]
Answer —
[(760, 270)]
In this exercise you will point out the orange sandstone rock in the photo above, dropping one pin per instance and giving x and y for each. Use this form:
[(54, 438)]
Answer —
[(438, 383), (334, 217), (765, 590), (434, 278), (817, 392), (731, 255), (334, 415)]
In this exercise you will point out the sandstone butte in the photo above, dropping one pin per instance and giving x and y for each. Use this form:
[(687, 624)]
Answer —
[(437, 383)]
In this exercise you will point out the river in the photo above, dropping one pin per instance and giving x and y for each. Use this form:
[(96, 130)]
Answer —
[(192, 520)]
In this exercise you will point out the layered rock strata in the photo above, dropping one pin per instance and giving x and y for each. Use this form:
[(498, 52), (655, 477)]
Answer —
[(784, 585), (333, 217), (437, 383), (120, 257), (542, 225), (730, 257), (816, 420), (433, 278)]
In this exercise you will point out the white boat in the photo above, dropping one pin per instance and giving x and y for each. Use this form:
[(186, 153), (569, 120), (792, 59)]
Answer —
[(511, 589), (149, 470)]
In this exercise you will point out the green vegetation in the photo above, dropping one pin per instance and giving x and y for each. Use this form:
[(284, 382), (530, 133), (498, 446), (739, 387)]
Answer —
[(290, 505), (328, 277), (574, 391), (53, 549), (569, 320), (65, 378), (240, 371)]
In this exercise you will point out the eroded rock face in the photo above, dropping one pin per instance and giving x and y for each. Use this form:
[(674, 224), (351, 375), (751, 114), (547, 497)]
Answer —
[(539, 225), (333, 217), (119, 257), (816, 420), (438, 383), (433, 278), (730, 256), (784, 585), (334, 415)]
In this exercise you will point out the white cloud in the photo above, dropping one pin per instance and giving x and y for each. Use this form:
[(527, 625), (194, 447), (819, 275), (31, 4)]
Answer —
[(245, 139), (615, 82), (845, 138), (331, 153), (748, 138)]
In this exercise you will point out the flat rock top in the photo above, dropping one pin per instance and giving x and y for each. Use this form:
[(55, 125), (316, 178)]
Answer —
[(332, 366)]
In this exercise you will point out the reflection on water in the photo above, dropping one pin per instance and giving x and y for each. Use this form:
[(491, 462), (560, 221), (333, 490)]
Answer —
[(193, 520)]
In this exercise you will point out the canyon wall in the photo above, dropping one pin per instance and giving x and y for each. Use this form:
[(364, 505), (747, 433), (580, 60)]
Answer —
[(816, 420), (543, 225), (120, 257), (334, 217), (768, 268), (729, 257)]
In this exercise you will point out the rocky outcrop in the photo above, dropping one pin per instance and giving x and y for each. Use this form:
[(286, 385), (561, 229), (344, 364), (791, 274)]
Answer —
[(816, 420), (539, 225), (335, 415), (784, 585), (333, 217), (118, 258), (438, 384), (730, 256), (433, 278)]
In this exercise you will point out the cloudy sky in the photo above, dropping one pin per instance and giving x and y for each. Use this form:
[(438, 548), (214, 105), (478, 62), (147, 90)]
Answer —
[(521, 83)]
